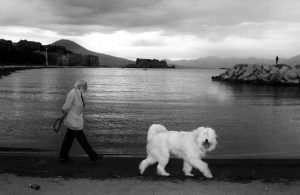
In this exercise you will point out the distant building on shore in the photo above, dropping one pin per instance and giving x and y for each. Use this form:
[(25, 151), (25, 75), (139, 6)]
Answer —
[(28, 45), (60, 56), (72, 59), (149, 63)]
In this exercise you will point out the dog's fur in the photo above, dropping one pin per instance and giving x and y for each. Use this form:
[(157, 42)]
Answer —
[(190, 146)]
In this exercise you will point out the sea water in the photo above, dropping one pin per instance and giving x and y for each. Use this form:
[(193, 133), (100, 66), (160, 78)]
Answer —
[(251, 121)]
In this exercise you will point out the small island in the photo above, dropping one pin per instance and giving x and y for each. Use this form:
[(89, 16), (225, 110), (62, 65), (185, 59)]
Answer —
[(150, 63), (279, 74)]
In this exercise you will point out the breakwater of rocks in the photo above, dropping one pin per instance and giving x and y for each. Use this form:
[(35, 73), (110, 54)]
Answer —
[(280, 74)]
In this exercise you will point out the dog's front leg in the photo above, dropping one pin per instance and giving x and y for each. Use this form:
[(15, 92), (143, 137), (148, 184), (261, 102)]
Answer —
[(187, 168), (201, 166)]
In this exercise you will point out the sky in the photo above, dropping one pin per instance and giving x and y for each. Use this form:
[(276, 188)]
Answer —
[(163, 29)]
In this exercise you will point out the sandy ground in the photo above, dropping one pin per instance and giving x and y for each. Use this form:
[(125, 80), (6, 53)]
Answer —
[(119, 175), (12, 184)]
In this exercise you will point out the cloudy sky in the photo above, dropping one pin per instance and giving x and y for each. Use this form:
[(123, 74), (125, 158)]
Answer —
[(175, 29)]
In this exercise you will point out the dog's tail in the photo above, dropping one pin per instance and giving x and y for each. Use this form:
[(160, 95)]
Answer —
[(155, 129)]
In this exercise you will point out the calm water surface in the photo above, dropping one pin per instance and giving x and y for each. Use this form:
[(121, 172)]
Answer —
[(251, 121)]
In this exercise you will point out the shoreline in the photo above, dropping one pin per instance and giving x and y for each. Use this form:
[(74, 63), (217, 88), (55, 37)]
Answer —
[(233, 170), (6, 70), (12, 184)]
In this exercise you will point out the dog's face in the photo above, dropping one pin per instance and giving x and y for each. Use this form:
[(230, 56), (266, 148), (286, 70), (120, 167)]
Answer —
[(206, 138)]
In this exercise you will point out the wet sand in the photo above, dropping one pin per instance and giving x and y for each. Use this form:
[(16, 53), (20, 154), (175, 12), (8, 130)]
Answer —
[(237, 170), (11, 184), (119, 175)]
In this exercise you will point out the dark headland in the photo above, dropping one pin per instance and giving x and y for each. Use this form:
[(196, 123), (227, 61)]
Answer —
[(31, 53)]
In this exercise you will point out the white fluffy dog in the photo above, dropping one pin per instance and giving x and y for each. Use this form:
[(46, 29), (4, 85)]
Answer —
[(190, 146)]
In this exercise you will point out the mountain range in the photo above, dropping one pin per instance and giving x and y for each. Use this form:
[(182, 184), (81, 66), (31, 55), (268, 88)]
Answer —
[(205, 62), (219, 62), (104, 59)]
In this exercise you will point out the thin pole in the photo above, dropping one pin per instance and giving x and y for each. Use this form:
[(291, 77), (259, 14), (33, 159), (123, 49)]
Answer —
[(46, 55)]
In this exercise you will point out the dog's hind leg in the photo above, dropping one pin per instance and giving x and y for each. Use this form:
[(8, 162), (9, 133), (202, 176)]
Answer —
[(187, 168), (145, 163), (162, 162), (202, 166)]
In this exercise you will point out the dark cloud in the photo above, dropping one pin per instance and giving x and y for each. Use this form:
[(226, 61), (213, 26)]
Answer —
[(213, 18)]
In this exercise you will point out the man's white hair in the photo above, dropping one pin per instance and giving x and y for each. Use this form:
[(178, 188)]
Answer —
[(80, 84)]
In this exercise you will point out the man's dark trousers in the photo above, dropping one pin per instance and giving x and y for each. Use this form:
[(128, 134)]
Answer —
[(68, 141)]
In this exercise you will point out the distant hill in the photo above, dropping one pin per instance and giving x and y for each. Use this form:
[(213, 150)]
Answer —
[(218, 62), (104, 59), (293, 60)]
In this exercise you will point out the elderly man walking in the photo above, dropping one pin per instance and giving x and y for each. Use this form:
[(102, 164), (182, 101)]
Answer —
[(73, 111)]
